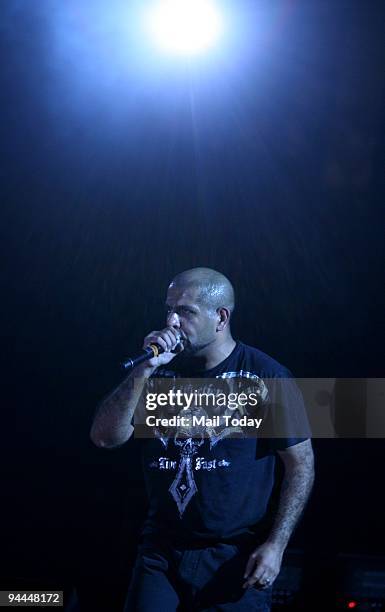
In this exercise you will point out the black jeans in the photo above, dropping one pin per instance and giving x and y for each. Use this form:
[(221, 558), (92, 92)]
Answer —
[(202, 579)]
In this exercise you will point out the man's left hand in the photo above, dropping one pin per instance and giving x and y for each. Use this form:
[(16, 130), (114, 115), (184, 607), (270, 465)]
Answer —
[(263, 566)]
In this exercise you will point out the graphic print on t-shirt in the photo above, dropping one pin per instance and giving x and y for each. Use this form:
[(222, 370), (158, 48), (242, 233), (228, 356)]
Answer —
[(184, 487)]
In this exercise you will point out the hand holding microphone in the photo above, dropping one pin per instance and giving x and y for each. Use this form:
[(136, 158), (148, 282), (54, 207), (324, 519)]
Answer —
[(159, 348), (169, 340)]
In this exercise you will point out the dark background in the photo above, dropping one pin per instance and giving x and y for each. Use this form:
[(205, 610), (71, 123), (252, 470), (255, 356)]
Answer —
[(264, 162)]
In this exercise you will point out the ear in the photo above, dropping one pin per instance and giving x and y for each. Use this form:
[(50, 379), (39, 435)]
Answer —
[(223, 317)]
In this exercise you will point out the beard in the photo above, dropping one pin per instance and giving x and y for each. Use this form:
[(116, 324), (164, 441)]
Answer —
[(191, 360), (193, 348)]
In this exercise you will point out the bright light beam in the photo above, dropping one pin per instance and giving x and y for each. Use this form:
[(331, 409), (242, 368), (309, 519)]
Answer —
[(184, 27)]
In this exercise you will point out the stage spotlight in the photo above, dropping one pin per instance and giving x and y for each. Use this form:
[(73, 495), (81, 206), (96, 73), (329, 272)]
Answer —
[(184, 27)]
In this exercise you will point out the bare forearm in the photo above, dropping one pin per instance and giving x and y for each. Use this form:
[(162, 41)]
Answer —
[(112, 423), (295, 491)]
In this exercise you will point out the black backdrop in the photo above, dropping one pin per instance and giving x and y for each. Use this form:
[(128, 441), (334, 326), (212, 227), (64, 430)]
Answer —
[(270, 171)]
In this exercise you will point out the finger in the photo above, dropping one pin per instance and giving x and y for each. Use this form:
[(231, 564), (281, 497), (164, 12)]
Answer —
[(179, 348), (250, 565), (149, 338), (256, 576), (179, 340), (155, 339), (261, 581), (265, 581), (169, 337), (174, 335), (266, 585), (182, 335), (263, 578), (250, 582)]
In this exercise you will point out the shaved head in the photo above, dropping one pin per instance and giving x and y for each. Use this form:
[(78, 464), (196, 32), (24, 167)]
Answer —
[(214, 289)]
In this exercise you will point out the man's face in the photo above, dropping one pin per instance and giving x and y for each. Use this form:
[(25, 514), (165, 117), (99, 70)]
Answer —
[(191, 317)]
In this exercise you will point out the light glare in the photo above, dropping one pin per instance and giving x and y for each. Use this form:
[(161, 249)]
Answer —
[(184, 26)]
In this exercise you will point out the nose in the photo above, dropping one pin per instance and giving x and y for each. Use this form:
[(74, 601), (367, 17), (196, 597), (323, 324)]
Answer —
[(173, 320)]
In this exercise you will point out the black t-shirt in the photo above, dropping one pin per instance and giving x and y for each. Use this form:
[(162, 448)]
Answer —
[(215, 492)]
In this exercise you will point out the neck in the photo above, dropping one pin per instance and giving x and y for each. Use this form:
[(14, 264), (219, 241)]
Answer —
[(215, 353)]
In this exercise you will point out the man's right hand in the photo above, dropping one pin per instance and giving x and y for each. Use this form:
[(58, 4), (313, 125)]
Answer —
[(170, 340)]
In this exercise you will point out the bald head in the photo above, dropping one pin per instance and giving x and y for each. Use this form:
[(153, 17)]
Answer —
[(214, 289)]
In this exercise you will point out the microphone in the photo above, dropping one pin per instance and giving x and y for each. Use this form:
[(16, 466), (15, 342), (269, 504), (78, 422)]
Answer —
[(152, 350)]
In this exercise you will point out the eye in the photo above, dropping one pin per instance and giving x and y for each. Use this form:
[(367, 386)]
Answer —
[(187, 310)]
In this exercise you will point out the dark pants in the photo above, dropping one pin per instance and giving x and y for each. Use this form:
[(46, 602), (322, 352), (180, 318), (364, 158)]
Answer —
[(169, 579)]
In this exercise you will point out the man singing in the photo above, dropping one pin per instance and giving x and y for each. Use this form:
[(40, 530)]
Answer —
[(211, 540)]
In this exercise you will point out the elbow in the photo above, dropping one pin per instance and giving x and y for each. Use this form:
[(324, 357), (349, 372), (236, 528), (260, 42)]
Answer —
[(103, 441), (97, 440)]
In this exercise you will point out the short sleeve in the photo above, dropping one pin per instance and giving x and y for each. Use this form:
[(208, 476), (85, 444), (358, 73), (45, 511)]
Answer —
[(286, 418)]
